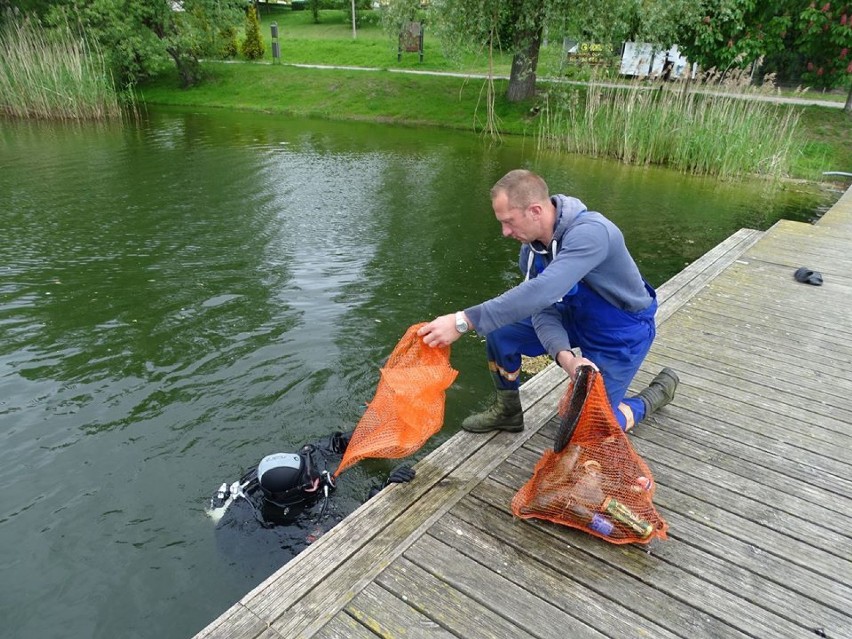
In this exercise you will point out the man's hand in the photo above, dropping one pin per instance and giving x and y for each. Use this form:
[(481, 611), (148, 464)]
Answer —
[(570, 363), (441, 331)]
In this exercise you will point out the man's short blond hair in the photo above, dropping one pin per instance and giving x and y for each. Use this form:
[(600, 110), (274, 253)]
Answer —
[(522, 188)]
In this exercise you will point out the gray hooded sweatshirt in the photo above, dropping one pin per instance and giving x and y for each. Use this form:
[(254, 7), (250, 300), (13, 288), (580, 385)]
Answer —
[(586, 246)]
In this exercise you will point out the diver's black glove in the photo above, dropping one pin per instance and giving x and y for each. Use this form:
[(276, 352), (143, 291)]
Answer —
[(401, 475), (339, 441)]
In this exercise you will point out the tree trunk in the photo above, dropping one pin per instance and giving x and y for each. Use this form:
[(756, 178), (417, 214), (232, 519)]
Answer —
[(848, 107), (187, 66), (524, 64)]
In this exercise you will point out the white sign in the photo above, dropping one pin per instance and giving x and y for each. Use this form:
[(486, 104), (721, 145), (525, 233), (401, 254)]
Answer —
[(641, 59)]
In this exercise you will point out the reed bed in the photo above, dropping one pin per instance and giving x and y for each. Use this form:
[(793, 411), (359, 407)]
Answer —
[(674, 125), (53, 74)]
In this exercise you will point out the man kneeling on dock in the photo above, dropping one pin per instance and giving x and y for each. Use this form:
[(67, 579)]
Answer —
[(603, 305)]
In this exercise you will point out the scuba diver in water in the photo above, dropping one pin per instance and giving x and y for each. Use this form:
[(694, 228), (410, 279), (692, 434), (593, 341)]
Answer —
[(284, 501)]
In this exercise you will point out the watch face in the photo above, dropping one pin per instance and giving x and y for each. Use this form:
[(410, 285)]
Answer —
[(461, 325)]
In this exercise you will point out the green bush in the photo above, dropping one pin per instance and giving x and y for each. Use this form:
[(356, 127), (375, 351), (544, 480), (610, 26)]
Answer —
[(228, 38), (253, 48)]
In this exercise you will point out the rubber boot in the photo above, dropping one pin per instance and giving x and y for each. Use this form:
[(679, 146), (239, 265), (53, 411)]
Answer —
[(505, 413), (660, 392)]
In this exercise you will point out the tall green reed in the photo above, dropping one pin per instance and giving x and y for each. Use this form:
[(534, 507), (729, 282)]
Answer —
[(673, 125), (53, 74)]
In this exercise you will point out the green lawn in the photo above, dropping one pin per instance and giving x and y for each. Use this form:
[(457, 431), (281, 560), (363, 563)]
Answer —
[(378, 96), (330, 42)]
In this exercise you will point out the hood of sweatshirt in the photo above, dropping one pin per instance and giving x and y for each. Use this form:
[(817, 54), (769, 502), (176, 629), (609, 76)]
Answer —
[(568, 210)]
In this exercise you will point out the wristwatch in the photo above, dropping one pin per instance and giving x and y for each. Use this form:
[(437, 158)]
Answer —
[(461, 323)]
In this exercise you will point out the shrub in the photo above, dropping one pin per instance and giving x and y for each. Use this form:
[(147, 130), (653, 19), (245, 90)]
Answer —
[(228, 38), (253, 48)]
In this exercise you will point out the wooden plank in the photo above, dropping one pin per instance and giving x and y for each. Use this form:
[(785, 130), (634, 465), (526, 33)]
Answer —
[(801, 499), (803, 239), (792, 323), (742, 416), (784, 346), (771, 506), (807, 245), (682, 287), (523, 550), (546, 619), (796, 385), (819, 601), (342, 626), (717, 611), (808, 424), (237, 623), (738, 303), (800, 383), (832, 505), (723, 437), (791, 612), (838, 219), (387, 615), (789, 312), (764, 538), (745, 289), (463, 616), (822, 228), (694, 272)]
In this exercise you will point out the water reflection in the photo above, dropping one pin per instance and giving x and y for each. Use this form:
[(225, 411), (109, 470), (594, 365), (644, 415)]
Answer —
[(182, 297)]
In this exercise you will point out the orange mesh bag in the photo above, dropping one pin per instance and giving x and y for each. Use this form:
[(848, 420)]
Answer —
[(592, 479), (408, 407)]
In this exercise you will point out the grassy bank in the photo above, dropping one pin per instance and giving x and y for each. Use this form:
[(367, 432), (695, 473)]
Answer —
[(822, 138), (375, 96), (450, 102)]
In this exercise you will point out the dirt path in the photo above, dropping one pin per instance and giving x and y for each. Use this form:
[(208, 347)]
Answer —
[(777, 99)]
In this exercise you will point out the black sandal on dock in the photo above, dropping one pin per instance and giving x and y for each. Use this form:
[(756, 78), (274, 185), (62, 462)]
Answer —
[(807, 276)]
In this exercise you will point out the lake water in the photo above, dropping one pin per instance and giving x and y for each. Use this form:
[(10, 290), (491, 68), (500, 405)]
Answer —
[(183, 295)]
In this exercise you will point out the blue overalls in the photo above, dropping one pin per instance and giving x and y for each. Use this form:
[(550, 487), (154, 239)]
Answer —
[(615, 340)]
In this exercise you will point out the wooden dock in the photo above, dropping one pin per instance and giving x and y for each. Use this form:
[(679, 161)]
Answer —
[(753, 464)]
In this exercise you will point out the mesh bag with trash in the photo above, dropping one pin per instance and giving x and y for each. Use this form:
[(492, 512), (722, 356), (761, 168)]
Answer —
[(593, 479)]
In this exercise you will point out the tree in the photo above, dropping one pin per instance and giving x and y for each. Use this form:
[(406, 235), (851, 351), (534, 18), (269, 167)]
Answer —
[(511, 26), (728, 34), (735, 33), (825, 39), (517, 27), (315, 10), (140, 36), (524, 20), (252, 48)]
